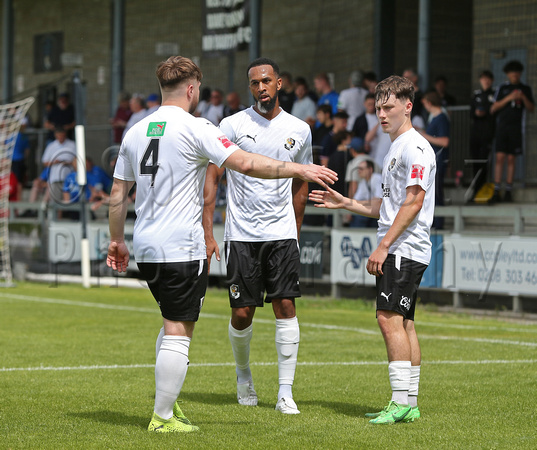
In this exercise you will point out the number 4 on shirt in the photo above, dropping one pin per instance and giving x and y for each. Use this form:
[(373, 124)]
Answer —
[(150, 169)]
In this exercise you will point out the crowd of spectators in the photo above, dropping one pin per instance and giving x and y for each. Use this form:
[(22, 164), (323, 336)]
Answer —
[(345, 130)]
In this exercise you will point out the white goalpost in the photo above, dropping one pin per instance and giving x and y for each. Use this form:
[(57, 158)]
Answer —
[(11, 117)]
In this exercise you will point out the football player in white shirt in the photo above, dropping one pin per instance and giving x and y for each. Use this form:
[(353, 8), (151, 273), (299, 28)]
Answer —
[(263, 221), (404, 247), (167, 154)]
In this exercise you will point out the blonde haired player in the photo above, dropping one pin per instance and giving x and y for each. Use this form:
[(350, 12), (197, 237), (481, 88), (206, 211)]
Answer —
[(167, 154)]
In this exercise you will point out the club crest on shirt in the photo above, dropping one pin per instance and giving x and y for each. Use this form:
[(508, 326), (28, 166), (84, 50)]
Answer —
[(234, 291), (155, 129), (392, 164), (289, 144)]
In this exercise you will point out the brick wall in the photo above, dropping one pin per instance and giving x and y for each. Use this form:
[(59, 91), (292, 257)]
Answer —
[(304, 36)]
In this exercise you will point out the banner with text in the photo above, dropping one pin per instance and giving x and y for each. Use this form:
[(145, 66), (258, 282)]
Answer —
[(490, 264), (226, 27)]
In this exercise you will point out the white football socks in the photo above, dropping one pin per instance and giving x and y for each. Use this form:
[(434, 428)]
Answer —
[(414, 385), (240, 344), (399, 380), (159, 342), (287, 340), (170, 373)]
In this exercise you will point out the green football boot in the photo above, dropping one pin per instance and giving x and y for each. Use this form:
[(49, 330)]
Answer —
[(160, 425), (393, 413)]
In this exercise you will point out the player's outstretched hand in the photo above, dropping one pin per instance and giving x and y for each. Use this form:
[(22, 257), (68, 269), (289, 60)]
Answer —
[(118, 256), (329, 199), (319, 174)]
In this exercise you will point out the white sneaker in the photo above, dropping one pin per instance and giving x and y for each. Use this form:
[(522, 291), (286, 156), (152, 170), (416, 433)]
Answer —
[(246, 394), (287, 406)]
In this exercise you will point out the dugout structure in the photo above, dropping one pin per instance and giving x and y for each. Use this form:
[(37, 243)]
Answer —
[(11, 117)]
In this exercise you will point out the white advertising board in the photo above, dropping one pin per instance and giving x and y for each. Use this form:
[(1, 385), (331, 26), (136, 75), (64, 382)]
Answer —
[(490, 264), (350, 251)]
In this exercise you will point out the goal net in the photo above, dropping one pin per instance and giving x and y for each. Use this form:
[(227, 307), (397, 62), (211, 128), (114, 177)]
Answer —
[(11, 117)]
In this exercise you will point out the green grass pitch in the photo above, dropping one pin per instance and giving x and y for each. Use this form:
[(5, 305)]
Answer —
[(76, 371)]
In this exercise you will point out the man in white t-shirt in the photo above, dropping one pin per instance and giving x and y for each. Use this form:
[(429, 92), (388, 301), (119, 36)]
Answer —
[(263, 221), (167, 154), (369, 189), (351, 100), (405, 214), (58, 157)]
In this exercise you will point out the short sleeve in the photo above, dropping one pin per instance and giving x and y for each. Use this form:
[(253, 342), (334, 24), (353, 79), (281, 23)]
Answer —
[(419, 163), (124, 170), (304, 154), (215, 144)]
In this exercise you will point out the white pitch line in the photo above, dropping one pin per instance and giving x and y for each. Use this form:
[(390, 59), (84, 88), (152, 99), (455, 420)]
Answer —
[(264, 321), (232, 364)]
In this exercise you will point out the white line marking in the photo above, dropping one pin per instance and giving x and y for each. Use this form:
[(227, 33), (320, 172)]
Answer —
[(232, 364), (264, 321)]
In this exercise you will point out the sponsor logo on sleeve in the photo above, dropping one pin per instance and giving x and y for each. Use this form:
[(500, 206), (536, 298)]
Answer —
[(156, 129), (417, 171), (225, 141)]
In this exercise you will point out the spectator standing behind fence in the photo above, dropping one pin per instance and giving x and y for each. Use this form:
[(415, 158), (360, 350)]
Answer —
[(369, 190), (482, 131), (204, 103), (94, 189), (370, 81), (137, 106), (324, 117), (152, 103), (215, 113), (62, 115), (20, 151), (286, 95), (440, 86), (304, 107), (121, 117), (234, 104), (57, 160), (351, 100), (328, 143), (327, 95), (437, 133), (511, 101), (419, 115), (365, 122)]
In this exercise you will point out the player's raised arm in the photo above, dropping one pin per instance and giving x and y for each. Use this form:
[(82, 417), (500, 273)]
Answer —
[(260, 166), (331, 199)]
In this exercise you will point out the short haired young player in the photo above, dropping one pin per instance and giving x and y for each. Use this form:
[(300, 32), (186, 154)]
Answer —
[(404, 247), (167, 154), (263, 223)]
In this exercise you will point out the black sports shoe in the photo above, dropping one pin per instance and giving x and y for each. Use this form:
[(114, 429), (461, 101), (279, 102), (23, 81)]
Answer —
[(495, 198)]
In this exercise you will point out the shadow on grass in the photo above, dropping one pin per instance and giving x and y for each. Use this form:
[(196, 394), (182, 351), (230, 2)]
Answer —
[(114, 418), (346, 409)]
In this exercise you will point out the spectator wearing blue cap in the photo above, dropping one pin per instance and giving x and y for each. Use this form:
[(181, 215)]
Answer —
[(152, 102)]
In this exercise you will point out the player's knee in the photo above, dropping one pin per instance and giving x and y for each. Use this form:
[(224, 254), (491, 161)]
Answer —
[(241, 318)]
